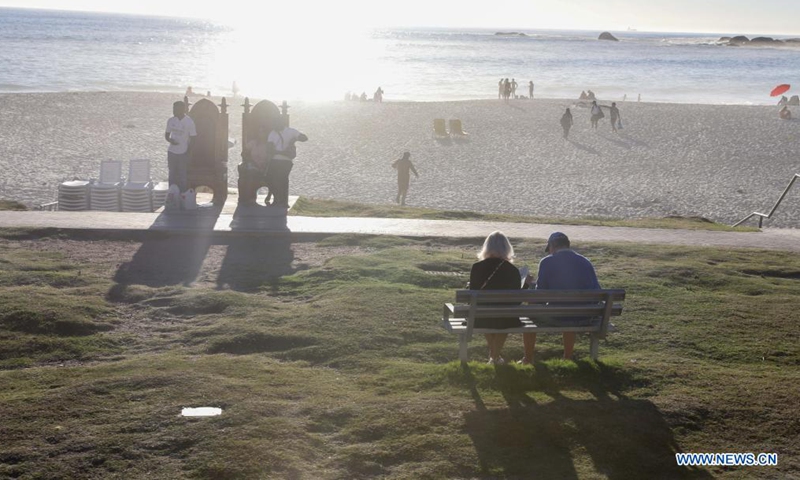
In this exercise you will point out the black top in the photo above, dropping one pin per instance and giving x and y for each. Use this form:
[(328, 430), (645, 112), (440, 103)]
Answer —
[(506, 277)]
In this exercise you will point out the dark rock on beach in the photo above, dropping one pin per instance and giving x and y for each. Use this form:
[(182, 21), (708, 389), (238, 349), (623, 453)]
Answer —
[(763, 40), (607, 36), (738, 40)]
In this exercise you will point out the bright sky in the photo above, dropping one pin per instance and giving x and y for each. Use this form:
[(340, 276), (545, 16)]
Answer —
[(713, 16)]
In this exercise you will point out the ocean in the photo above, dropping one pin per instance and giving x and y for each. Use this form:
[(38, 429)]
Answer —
[(53, 51)]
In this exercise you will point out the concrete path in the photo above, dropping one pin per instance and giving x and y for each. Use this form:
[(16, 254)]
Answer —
[(268, 221)]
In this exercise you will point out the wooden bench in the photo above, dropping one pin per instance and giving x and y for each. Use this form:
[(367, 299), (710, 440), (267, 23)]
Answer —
[(530, 306)]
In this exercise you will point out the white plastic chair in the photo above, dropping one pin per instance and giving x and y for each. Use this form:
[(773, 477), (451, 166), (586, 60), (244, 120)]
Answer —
[(73, 195), (137, 191), (105, 193)]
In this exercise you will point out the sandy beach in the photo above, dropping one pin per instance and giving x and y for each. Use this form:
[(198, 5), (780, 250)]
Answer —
[(716, 161)]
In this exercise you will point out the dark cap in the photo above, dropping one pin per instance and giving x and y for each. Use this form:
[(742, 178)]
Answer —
[(557, 239)]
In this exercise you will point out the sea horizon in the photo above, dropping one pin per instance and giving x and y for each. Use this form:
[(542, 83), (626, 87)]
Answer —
[(68, 51)]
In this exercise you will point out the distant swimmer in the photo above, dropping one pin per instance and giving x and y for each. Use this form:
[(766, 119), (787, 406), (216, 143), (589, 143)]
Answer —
[(403, 167), (566, 122)]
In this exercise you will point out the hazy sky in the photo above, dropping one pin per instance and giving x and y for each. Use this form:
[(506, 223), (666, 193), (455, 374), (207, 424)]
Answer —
[(718, 16)]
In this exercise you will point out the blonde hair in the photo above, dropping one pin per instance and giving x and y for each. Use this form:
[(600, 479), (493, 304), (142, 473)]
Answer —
[(497, 245)]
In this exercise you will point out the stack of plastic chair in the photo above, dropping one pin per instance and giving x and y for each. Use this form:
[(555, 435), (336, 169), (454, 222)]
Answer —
[(137, 191), (160, 194), (104, 194), (73, 195)]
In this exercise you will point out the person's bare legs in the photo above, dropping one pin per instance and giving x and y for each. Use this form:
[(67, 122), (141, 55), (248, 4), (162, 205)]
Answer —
[(499, 341), (490, 344), (529, 344), (569, 344)]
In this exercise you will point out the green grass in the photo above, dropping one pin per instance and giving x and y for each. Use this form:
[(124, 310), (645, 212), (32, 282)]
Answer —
[(328, 361), (334, 208), (11, 205)]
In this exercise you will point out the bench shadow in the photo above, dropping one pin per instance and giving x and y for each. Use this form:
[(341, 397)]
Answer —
[(254, 261), (583, 147), (535, 438)]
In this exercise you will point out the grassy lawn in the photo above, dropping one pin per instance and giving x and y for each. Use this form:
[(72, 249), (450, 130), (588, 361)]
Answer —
[(327, 358), (333, 208)]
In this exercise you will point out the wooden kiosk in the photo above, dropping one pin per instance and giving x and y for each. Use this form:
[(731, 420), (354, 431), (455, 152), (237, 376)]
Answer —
[(208, 163), (265, 116)]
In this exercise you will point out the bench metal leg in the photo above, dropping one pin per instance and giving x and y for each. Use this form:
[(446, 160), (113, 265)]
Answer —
[(594, 345), (462, 348)]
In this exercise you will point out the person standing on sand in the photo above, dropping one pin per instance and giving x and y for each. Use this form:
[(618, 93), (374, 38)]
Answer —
[(597, 114), (530, 89), (506, 89), (614, 114), (283, 151), (514, 86), (500, 89), (566, 122), (403, 167), (180, 130)]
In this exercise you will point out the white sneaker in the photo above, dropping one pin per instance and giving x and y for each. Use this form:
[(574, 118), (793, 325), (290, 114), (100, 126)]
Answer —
[(500, 361)]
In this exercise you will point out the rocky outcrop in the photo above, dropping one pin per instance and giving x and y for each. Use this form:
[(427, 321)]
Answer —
[(607, 36), (724, 39), (738, 40), (763, 40), (510, 34)]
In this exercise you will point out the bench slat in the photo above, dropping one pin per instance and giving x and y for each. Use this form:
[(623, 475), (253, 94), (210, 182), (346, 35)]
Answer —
[(456, 326), (534, 311), (492, 296)]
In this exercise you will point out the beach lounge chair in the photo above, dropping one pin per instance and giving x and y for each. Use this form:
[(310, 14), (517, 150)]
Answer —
[(455, 128), (439, 129), (794, 100), (104, 194), (73, 195), (137, 191)]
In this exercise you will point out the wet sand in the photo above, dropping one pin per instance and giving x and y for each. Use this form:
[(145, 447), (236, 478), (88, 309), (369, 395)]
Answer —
[(716, 161)]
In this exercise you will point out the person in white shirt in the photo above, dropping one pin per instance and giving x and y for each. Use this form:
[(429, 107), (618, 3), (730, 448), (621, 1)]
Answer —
[(282, 140), (180, 130)]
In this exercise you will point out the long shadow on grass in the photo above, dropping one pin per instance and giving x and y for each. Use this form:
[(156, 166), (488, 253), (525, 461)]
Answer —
[(252, 262), (163, 261), (625, 438)]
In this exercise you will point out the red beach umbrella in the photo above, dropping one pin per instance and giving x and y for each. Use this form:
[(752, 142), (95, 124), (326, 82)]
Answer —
[(779, 90)]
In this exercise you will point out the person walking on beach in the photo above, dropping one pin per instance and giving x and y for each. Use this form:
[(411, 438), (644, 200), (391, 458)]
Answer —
[(615, 118), (530, 89), (566, 122), (403, 167), (283, 150), (597, 114), (179, 133)]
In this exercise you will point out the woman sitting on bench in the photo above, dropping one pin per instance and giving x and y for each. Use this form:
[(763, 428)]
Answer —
[(495, 271)]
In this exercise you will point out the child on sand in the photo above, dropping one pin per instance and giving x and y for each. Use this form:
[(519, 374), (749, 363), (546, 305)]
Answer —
[(403, 167)]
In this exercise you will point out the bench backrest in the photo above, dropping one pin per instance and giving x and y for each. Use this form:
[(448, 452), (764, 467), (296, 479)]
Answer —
[(472, 304)]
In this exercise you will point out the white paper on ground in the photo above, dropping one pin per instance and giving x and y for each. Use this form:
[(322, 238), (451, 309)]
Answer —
[(201, 412)]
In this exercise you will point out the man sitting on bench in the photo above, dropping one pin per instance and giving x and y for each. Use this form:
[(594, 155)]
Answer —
[(562, 269)]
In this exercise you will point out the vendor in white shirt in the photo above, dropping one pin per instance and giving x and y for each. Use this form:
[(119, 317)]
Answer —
[(282, 141), (180, 130)]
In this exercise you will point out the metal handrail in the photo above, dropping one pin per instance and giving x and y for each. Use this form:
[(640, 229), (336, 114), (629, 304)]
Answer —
[(762, 216), (52, 206)]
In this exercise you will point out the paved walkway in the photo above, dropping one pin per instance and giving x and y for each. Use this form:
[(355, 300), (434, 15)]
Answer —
[(263, 220)]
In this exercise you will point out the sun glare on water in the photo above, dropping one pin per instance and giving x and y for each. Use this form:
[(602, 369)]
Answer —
[(296, 59)]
